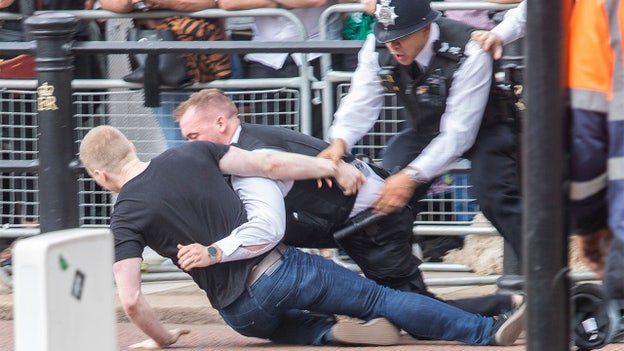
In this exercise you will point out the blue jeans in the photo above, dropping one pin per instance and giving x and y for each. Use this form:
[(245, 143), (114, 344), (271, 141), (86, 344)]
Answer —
[(169, 101), (276, 306)]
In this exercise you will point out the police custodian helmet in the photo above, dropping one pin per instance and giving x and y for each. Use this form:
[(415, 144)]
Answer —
[(399, 18)]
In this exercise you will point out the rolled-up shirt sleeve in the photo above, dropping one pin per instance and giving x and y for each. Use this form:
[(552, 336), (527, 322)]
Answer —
[(359, 109), (264, 203)]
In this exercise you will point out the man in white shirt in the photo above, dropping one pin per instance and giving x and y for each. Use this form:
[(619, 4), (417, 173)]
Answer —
[(382, 250)]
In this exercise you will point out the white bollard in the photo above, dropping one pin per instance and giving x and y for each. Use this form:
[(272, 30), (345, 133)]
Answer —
[(63, 291)]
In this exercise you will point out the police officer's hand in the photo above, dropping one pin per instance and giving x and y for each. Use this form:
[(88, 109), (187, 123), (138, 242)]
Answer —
[(395, 194), (335, 151), (489, 42), (150, 344)]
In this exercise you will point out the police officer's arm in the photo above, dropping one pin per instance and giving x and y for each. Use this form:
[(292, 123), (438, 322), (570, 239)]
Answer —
[(461, 120), (459, 126), (359, 110), (128, 280), (510, 29)]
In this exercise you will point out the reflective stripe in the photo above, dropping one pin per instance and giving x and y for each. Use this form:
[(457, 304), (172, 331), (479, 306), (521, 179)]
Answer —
[(616, 110), (583, 190), (616, 107), (589, 100), (616, 168)]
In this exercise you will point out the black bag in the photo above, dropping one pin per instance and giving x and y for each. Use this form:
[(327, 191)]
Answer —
[(171, 70)]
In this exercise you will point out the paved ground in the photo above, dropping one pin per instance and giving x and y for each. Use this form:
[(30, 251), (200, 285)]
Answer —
[(182, 304)]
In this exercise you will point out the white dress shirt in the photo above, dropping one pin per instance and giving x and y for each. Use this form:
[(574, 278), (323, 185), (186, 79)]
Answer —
[(459, 124), (513, 25), (263, 199)]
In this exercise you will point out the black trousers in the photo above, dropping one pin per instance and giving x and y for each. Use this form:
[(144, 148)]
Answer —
[(613, 280), (384, 253), (494, 175)]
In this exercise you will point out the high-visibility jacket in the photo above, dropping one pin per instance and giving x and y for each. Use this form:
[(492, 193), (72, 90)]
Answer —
[(591, 57), (596, 82)]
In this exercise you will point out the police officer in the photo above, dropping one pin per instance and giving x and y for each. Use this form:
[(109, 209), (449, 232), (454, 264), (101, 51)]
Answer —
[(445, 81), (382, 250)]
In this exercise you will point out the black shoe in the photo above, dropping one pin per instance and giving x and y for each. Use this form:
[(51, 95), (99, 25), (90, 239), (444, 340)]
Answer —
[(508, 326), (435, 249)]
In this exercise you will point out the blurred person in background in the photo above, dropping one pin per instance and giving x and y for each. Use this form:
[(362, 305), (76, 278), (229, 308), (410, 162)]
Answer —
[(201, 68)]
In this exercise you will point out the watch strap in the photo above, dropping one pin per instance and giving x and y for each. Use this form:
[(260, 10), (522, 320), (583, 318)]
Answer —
[(212, 254)]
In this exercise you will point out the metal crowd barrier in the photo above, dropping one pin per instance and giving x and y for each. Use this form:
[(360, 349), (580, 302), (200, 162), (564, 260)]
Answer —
[(117, 102)]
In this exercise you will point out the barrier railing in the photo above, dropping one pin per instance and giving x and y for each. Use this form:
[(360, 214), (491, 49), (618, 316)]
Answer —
[(301, 83)]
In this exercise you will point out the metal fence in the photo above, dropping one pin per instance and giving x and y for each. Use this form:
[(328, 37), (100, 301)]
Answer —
[(124, 109), (115, 102), (119, 107)]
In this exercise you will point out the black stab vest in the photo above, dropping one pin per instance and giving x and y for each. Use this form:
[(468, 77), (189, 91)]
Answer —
[(312, 214), (425, 96)]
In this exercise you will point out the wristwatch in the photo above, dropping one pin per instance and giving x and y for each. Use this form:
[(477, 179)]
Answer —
[(212, 254), (413, 174)]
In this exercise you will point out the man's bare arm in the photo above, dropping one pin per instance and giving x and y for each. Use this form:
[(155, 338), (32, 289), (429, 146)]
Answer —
[(182, 5), (173, 5), (255, 4), (118, 5), (128, 278), (289, 166)]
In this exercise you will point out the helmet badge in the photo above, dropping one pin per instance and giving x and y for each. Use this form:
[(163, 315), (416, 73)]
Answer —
[(385, 13)]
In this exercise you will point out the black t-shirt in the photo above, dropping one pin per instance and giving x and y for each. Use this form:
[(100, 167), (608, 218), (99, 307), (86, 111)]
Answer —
[(182, 198)]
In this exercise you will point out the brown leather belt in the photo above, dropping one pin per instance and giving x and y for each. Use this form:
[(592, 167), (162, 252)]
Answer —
[(268, 265)]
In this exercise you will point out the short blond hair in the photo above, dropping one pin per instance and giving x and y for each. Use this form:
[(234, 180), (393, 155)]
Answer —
[(207, 100), (105, 147)]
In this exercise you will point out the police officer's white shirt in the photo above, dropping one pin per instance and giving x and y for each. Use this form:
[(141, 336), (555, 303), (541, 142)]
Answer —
[(459, 123), (280, 28), (513, 25), (263, 199)]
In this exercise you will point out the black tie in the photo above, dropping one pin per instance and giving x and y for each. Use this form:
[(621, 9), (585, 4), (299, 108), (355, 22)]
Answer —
[(414, 70)]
